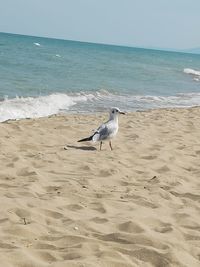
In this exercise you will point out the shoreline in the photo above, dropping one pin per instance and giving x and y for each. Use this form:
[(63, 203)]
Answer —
[(137, 205), (100, 113)]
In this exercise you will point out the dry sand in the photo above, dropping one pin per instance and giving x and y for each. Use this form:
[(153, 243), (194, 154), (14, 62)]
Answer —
[(137, 205)]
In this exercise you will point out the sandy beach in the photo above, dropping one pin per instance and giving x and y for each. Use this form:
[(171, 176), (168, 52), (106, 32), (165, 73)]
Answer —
[(138, 205)]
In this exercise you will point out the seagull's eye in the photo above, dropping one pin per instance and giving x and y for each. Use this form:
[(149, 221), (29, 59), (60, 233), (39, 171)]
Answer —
[(113, 111)]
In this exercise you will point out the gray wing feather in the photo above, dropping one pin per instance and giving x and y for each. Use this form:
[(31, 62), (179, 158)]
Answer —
[(102, 132)]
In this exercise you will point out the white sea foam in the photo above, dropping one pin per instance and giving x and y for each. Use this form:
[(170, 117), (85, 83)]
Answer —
[(179, 100), (37, 44), (192, 72), (42, 106), (143, 102)]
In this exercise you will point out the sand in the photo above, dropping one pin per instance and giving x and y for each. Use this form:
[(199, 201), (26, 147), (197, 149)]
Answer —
[(138, 205)]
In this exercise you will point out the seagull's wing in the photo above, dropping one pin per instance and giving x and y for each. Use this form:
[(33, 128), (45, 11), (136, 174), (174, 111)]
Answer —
[(103, 132)]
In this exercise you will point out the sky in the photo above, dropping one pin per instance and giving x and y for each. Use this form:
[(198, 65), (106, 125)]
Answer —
[(142, 23)]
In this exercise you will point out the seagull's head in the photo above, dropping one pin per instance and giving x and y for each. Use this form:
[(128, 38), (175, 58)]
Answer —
[(115, 111)]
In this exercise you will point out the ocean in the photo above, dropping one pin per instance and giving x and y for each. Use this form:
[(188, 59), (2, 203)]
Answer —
[(43, 76)]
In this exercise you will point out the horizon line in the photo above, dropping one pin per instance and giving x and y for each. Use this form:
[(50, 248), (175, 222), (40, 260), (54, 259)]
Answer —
[(175, 50)]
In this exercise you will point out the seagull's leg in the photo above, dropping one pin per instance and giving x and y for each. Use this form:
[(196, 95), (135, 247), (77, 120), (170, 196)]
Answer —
[(110, 145), (101, 145)]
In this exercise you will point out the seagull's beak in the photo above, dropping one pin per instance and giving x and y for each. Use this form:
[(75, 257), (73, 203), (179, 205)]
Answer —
[(121, 112)]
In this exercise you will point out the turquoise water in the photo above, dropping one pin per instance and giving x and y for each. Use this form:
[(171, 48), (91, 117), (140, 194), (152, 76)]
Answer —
[(42, 76)]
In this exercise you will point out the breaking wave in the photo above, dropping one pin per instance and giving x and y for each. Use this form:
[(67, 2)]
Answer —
[(195, 73), (43, 106), (35, 107), (191, 71)]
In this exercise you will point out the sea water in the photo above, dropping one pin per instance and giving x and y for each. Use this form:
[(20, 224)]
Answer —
[(43, 76)]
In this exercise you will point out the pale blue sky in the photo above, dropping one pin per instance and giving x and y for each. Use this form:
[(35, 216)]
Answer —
[(145, 23)]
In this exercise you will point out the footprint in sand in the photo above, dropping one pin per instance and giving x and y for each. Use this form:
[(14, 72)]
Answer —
[(197, 152), (130, 227), (21, 213), (163, 169), (106, 173), (98, 207), (52, 214), (156, 147), (6, 246), (163, 229), (99, 220), (52, 189), (26, 172), (46, 256), (46, 246), (10, 165), (152, 256), (74, 207), (191, 196), (2, 185), (149, 157)]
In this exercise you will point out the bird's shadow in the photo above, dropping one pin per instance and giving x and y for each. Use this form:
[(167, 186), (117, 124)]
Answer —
[(86, 148)]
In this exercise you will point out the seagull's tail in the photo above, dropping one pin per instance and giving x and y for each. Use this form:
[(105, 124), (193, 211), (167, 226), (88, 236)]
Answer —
[(86, 139)]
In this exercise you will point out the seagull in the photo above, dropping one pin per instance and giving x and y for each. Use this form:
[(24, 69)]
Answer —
[(107, 130)]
